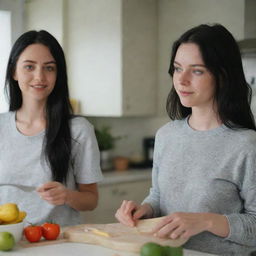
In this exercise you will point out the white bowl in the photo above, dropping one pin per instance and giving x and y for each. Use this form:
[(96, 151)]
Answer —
[(16, 229)]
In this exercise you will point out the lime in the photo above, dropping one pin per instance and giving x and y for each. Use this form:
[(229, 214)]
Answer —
[(173, 251), (7, 241), (152, 249)]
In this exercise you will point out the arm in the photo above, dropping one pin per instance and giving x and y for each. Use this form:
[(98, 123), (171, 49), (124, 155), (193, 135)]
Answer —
[(153, 199), (85, 198), (185, 225), (85, 169), (238, 225), (129, 211)]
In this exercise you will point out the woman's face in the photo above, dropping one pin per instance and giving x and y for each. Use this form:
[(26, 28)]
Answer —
[(193, 82), (36, 73)]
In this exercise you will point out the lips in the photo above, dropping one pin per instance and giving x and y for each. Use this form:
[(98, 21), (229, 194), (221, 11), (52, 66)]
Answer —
[(39, 86), (185, 93)]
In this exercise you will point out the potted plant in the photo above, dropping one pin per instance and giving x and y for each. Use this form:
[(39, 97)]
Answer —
[(106, 143)]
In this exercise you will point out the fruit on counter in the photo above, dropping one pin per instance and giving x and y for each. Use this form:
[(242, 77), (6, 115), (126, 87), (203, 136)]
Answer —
[(151, 249), (33, 233), (10, 214), (21, 216), (154, 249), (51, 231), (173, 251), (7, 241)]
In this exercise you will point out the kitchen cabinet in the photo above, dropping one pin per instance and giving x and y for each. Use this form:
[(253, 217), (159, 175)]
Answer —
[(111, 52), (132, 185)]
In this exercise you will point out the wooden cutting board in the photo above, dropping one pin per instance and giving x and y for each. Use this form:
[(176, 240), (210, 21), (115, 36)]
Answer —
[(117, 236)]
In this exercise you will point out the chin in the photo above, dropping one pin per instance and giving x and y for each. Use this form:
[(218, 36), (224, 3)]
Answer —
[(186, 104)]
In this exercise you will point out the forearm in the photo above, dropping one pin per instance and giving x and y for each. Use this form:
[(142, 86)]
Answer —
[(82, 201), (217, 224)]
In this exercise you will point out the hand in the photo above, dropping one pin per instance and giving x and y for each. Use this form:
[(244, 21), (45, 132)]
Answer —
[(183, 225), (129, 212), (53, 192)]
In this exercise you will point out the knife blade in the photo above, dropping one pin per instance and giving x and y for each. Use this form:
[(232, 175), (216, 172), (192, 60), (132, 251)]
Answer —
[(21, 187)]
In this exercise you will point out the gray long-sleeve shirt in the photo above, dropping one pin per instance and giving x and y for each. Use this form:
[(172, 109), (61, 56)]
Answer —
[(207, 171)]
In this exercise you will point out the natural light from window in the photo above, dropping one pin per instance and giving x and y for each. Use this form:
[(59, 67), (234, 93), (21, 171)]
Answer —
[(5, 46)]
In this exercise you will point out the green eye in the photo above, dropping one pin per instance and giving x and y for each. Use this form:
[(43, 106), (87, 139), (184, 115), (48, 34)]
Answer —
[(29, 67), (177, 69), (50, 68), (198, 72)]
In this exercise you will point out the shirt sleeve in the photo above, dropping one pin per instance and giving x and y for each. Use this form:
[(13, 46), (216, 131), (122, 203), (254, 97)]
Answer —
[(86, 155), (154, 195), (243, 225)]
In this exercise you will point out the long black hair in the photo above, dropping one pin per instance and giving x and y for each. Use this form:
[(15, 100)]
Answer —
[(57, 141), (221, 56)]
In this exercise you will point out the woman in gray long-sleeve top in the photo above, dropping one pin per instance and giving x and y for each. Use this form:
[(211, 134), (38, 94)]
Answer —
[(204, 171)]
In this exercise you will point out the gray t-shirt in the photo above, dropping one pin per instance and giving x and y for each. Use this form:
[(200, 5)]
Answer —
[(207, 171), (22, 162)]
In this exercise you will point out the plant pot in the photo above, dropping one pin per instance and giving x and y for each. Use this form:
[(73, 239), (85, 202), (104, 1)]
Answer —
[(121, 163), (105, 160)]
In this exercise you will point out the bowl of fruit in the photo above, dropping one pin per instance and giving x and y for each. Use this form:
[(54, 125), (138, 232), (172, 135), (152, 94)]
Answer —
[(12, 220)]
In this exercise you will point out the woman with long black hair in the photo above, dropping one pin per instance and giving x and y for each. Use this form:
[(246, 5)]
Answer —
[(43, 145), (204, 169)]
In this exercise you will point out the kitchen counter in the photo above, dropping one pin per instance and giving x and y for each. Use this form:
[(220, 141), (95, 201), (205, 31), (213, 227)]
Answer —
[(78, 249), (130, 175)]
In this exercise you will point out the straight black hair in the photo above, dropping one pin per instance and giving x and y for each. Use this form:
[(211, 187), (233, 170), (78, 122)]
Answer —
[(57, 141), (221, 56)]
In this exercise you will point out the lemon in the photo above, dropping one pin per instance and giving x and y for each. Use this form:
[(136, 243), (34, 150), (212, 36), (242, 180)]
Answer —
[(20, 218), (9, 212), (22, 215), (152, 249)]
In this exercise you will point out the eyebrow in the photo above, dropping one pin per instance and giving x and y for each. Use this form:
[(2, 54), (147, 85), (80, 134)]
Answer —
[(192, 65), (48, 62)]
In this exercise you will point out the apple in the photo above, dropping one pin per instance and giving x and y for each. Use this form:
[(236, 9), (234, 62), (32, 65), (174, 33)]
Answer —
[(7, 241)]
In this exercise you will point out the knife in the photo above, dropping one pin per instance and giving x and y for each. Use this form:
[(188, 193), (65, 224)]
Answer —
[(22, 187)]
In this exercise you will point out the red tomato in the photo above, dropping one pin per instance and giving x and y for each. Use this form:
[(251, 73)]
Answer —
[(51, 231), (33, 233)]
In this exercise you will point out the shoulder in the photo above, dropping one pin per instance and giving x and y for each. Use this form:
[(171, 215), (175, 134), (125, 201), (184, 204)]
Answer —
[(242, 138), (170, 128), (81, 127), (5, 119), (6, 116)]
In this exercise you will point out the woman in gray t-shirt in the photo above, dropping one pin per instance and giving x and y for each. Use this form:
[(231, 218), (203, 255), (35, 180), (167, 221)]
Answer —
[(43, 145), (204, 170)]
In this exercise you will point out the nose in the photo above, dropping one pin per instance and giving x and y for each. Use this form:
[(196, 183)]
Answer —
[(184, 78), (39, 75)]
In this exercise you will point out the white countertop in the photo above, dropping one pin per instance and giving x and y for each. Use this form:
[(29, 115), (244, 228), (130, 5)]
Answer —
[(130, 175), (77, 249)]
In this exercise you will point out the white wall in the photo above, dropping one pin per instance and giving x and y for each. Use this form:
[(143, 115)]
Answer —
[(46, 15)]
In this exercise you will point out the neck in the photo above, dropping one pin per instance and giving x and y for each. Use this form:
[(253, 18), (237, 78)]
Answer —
[(32, 111), (31, 118), (203, 120)]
